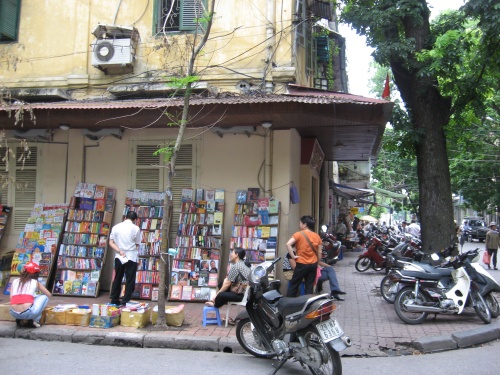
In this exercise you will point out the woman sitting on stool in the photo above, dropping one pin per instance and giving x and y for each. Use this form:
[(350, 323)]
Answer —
[(238, 272)]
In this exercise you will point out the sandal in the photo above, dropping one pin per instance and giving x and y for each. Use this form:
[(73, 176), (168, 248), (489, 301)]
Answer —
[(231, 322)]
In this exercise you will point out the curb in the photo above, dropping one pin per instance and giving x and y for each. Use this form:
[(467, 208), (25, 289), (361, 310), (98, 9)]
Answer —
[(122, 339), (427, 344), (464, 339)]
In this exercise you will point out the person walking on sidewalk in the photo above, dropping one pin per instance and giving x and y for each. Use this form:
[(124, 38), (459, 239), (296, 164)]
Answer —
[(24, 303), (492, 243), (124, 239), (308, 246)]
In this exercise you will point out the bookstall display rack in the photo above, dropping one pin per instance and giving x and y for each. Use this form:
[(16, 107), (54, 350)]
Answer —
[(256, 225), (38, 242), (84, 244), (149, 207), (195, 268), (4, 218)]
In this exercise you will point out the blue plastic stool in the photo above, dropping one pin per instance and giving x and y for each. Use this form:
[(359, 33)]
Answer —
[(209, 320)]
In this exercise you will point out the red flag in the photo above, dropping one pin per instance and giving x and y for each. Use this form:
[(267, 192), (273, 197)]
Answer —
[(387, 91)]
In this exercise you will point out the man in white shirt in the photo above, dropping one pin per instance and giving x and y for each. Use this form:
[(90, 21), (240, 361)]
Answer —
[(124, 239), (414, 229)]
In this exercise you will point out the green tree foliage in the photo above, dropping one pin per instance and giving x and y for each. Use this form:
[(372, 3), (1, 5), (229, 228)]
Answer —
[(446, 73), (465, 58)]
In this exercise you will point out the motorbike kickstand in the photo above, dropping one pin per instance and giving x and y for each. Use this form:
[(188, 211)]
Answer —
[(278, 366)]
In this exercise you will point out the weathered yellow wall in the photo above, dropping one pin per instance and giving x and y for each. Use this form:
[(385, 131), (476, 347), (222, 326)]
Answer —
[(54, 46)]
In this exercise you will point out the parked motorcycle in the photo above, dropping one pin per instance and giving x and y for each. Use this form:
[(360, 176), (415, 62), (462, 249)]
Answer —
[(422, 294), (373, 257), (299, 328), (390, 286), (330, 245)]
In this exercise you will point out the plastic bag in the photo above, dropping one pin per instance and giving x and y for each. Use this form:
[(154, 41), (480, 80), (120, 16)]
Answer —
[(486, 258)]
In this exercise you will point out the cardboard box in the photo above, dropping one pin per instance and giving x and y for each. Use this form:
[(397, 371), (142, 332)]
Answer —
[(135, 319), (78, 318), (5, 312), (49, 316), (174, 320), (97, 321)]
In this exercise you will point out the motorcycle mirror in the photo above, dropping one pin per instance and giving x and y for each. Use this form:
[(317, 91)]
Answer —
[(434, 256)]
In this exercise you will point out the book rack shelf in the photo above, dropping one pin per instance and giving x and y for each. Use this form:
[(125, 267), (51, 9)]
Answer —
[(256, 225), (149, 207), (84, 244), (39, 240), (195, 268), (4, 218)]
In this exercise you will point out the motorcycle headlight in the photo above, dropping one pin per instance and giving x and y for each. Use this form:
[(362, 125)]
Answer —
[(259, 271)]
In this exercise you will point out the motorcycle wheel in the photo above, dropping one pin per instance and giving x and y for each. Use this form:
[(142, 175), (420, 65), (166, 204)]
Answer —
[(363, 264), (331, 358), (493, 305), (385, 285), (250, 341), (481, 307), (408, 295)]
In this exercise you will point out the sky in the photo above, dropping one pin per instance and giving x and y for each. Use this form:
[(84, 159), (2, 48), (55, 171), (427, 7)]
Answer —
[(358, 54)]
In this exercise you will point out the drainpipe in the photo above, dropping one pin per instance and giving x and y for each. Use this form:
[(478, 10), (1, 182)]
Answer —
[(268, 163)]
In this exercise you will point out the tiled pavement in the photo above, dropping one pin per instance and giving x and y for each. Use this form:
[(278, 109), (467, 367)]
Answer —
[(372, 323)]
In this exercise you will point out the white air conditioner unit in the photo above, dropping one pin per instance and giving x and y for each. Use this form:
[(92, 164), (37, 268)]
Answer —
[(113, 53)]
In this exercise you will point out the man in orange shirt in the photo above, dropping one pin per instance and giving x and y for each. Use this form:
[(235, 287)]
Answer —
[(308, 247)]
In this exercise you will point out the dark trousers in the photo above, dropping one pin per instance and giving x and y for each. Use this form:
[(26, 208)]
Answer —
[(493, 255), (225, 297), (306, 272), (128, 269)]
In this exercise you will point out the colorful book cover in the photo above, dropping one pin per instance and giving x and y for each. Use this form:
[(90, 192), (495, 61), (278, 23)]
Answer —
[(209, 195), (219, 195), (212, 279), (199, 195), (100, 192), (68, 286), (273, 206), (187, 195), (186, 292), (241, 196), (175, 292), (218, 218), (76, 287), (253, 194)]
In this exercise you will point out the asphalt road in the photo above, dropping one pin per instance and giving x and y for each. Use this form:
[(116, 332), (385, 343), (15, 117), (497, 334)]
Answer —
[(50, 358)]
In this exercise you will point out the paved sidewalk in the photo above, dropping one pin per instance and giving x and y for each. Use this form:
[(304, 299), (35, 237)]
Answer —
[(372, 324)]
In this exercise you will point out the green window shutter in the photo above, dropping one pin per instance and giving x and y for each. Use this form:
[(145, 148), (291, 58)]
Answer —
[(9, 18), (191, 11), (25, 187), (149, 175)]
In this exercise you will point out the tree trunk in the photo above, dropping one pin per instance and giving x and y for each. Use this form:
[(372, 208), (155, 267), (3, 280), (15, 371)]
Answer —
[(429, 113)]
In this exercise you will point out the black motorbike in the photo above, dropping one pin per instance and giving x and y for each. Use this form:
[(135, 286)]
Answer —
[(301, 329)]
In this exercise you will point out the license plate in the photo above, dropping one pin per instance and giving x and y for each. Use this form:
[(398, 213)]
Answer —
[(329, 330)]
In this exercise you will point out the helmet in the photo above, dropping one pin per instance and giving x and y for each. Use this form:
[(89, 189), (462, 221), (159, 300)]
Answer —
[(32, 268)]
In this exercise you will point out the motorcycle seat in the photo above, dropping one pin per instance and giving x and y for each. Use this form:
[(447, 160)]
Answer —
[(431, 269), (291, 305), (422, 275)]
